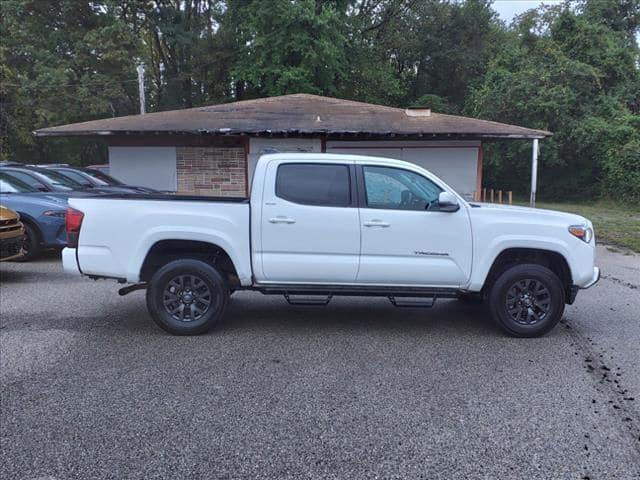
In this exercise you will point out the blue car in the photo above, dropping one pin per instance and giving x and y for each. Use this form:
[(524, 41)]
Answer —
[(43, 215)]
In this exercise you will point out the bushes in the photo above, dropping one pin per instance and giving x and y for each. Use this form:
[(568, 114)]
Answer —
[(622, 172)]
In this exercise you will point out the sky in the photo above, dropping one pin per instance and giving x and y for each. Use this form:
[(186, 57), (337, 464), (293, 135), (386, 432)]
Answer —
[(508, 9)]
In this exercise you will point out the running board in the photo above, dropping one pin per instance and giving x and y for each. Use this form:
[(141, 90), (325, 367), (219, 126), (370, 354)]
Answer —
[(308, 301), (356, 291), (412, 302)]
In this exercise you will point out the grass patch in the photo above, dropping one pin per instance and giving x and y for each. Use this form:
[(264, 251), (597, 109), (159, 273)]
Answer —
[(614, 223)]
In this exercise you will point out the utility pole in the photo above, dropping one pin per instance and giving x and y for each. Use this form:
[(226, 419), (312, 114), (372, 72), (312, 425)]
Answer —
[(534, 173), (140, 69)]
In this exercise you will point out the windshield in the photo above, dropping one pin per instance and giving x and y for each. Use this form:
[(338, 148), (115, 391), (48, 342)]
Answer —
[(75, 176), (13, 185), (103, 177)]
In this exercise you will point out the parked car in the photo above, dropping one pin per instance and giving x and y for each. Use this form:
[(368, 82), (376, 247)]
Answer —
[(324, 225), (42, 214), (11, 235), (101, 167), (41, 179), (90, 178)]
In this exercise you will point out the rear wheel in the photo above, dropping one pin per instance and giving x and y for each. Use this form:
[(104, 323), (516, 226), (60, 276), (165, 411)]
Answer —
[(31, 247), (187, 297), (526, 300)]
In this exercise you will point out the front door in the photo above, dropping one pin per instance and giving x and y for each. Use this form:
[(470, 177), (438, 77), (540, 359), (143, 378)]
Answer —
[(405, 241), (310, 228)]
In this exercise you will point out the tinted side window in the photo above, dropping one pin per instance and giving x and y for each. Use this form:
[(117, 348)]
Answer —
[(398, 189), (314, 184)]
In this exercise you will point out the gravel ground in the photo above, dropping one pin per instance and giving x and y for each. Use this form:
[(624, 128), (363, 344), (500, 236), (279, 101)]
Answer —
[(90, 388)]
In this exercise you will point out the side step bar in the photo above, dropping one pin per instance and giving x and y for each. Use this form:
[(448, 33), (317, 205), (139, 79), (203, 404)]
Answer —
[(308, 301), (413, 302), (416, 297)]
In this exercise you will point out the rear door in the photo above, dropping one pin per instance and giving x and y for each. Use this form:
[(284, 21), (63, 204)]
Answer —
[(310, 228), (404, 240)]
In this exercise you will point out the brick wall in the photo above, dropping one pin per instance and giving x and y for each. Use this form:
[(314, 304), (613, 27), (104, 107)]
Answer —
[(215, 171)]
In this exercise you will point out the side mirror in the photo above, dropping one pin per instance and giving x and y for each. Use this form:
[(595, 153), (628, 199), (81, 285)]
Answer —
[(447, 202)]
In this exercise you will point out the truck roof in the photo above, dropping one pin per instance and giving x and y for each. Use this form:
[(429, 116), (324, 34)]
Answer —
[(333, 157)]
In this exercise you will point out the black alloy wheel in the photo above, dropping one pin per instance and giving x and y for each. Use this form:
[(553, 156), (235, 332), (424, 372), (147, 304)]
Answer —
[(187, 297), (526, 300)]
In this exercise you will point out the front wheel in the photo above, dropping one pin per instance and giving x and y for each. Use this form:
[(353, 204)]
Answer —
[(526, 300), (187, 297)]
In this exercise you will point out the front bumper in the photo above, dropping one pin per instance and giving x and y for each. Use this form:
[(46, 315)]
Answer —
[(11, 248), (573, 291), (594, 279)]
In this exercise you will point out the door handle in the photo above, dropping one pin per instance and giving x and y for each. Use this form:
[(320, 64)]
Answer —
[(281, 220), (377, 223)]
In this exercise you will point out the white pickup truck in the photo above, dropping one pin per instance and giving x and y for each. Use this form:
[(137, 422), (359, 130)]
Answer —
[(319, 225)]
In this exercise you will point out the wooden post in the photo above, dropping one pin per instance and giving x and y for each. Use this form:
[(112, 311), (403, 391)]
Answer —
[(499, 196), (491, 195), (510, 195)]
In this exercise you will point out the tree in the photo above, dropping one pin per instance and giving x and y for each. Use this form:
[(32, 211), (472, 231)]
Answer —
[(291, 47), (63, 61), (563, 72)]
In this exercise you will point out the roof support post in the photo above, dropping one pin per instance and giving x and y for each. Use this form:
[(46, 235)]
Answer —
[(534, 173)]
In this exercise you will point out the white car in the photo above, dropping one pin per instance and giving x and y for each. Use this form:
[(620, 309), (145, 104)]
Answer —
[(319, 225)]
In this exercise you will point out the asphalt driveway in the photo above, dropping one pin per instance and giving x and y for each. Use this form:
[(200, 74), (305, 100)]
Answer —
[(91, 388)]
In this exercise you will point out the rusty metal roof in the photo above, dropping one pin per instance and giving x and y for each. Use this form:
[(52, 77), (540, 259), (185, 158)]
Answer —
[(301, 114)]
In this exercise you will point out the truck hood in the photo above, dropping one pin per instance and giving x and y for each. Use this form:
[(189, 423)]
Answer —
[(529, 214)]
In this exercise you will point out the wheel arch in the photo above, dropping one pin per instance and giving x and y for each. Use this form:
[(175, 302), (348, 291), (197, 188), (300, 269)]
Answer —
[(27, 219), (553, 260), (167, 250)]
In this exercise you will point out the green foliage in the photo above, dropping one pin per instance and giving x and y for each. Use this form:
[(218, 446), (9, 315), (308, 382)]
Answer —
[(570, 69), (291, 47), (622, 172), (63, 61), (576, 78), (435, 103)]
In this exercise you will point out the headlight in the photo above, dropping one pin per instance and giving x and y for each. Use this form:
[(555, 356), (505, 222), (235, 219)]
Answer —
[(55, 213), (583, 233)]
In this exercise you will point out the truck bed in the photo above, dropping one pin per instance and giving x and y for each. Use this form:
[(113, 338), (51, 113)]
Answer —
[(119, 230)]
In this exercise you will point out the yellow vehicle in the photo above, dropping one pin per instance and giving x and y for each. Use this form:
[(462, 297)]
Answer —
[(11, 235)]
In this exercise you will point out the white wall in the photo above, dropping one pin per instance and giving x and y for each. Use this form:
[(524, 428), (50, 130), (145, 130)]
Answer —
[(257, 147), (456, 162), (153, 167)]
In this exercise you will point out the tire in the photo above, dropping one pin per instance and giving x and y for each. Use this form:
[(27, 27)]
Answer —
[(526, 300), (31, 247), (178, 293)]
